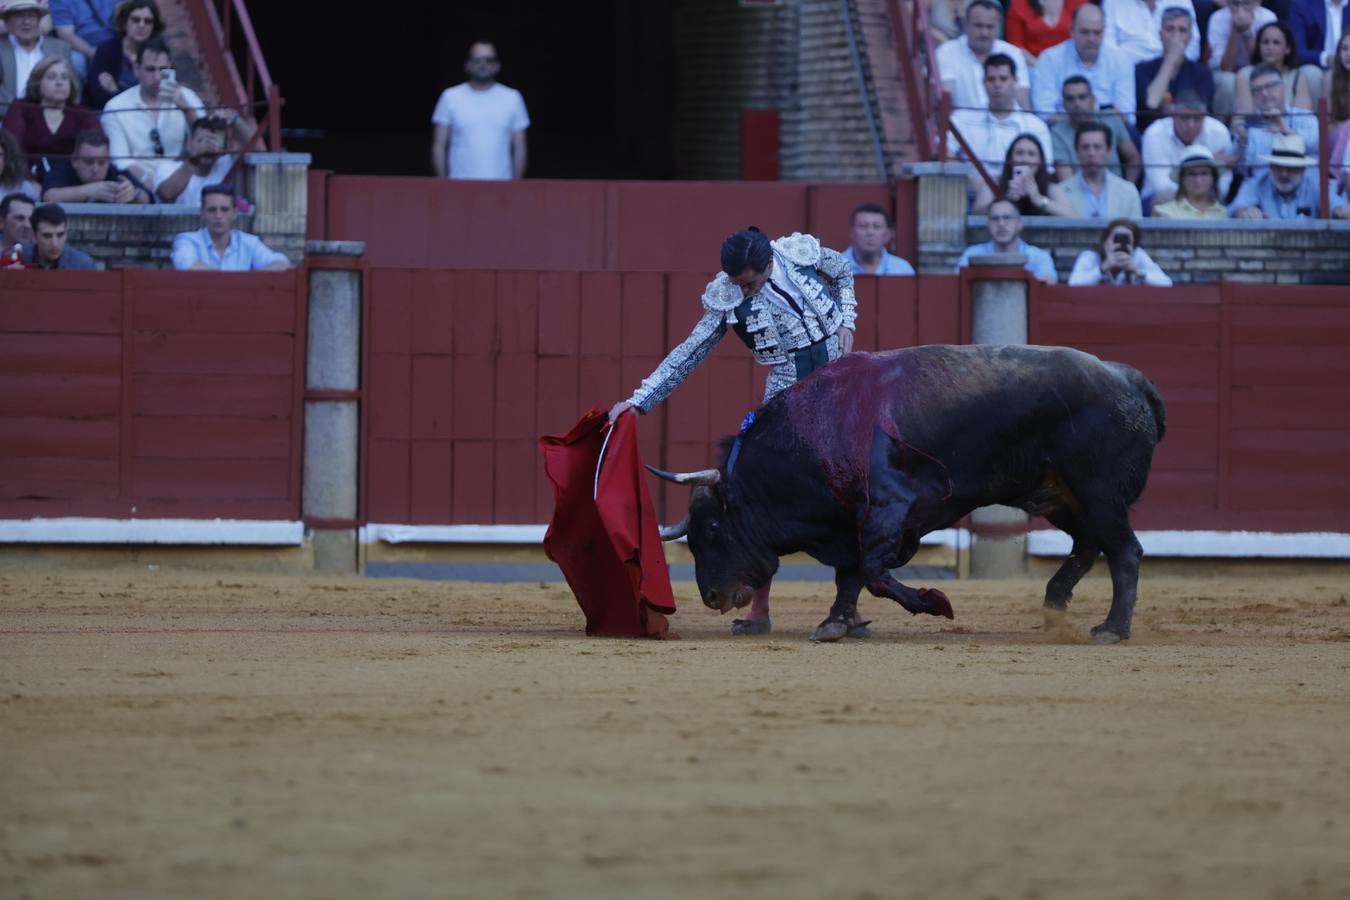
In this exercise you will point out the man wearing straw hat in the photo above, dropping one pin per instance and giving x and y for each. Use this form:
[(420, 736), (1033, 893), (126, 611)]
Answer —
[(24, 47), (1285, 190)]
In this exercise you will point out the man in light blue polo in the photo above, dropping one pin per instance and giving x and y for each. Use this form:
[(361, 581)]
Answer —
[(1286, 189), (869, 234), (218, 246), (1109, 72), (1005, 231)]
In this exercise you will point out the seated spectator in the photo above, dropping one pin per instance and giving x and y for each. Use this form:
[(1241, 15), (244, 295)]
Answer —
[(49, 249), (204, 161), (1107, 70), (16, 229), (1136, 28), (1167, 140), (46, 120), (1166, 76), (1197, 195), (989, 132), (961, 60), (218, 245), (1005, 236), (1037, 25), (869, 235), (14, 172), (89, 176), (1119, 259), (1315, 29), (1285, 189), (148, 124), (1255, 134), (1275, 47), (25, 47), (1024, 182), (44, 23), (113, 69), (1232, 42), (84, 24), (1080, 108), (1094, 193)]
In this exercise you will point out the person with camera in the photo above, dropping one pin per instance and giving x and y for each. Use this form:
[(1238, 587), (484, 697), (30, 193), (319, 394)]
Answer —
[(147, 125), (205, 160), (1118, 260)]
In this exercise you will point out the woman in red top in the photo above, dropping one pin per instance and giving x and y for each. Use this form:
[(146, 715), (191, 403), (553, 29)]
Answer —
[(46, 120), (1037, 25)]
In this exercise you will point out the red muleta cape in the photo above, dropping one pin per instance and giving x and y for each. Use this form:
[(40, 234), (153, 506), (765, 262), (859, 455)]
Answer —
[(604, 535)]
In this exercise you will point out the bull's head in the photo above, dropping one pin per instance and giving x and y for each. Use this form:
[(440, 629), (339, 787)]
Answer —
[(728, 566)]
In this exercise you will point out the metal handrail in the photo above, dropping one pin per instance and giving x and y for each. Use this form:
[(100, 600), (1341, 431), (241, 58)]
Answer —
[(215, 21), (906, 48)]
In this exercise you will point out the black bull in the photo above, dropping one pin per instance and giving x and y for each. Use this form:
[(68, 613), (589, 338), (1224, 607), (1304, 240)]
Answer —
[(856, 463)]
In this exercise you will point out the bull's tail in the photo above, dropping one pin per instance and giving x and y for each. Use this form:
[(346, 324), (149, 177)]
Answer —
[(1155, 400)]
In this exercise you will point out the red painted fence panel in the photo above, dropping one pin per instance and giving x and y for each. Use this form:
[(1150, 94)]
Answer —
[(142, 393), (151, 394), (584, 226)]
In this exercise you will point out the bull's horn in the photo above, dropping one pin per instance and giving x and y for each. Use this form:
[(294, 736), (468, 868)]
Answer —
[(676, 531), (706, 476)]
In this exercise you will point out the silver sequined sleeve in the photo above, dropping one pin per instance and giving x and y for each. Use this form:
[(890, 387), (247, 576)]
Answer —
[(836, 266), (680, 363)]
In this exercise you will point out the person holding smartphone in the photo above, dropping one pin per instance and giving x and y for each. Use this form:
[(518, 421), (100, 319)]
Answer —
[(147, 125), (1118, 260)]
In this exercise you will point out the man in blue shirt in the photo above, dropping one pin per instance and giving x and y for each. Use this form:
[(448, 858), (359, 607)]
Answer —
[(869, 234), (1005, 231), (84, 24), (1286, 190), (1105, 67), (219, 246), (1273, 119)]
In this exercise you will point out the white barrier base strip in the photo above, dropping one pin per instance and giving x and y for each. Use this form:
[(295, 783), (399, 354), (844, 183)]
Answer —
[(238, 532), (1226, 544), (453, 534), (534, 534)]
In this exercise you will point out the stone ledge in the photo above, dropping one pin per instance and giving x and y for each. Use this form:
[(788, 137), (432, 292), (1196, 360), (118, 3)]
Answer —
[(1307, 250)]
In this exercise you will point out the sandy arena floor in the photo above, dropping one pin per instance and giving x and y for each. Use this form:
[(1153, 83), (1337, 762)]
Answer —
[(186, 736)]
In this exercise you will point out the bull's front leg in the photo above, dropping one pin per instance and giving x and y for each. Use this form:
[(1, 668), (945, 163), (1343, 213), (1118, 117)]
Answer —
[(843, 615), (917, 600)]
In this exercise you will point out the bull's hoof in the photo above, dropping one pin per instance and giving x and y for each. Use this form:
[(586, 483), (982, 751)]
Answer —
[(1104, 634), (741, 627), (937, 603), (858, 630), (830, 631)]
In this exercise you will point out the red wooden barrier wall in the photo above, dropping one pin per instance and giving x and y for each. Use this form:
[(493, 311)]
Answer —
[(1258, 398), (148, 394), (581, 226), (467, 368), (139, 393)]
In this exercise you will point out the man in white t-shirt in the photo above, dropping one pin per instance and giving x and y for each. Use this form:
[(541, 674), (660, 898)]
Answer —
[(479, 124)]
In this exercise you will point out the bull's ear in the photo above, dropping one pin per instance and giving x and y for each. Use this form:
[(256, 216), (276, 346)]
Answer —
[(706, 476)]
